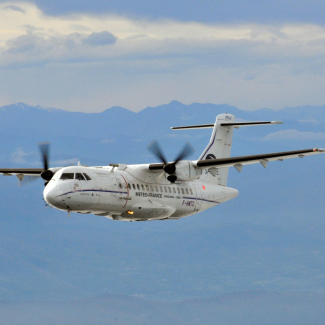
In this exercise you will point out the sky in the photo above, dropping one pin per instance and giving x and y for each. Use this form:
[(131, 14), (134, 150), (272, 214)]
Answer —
[(88, 56)]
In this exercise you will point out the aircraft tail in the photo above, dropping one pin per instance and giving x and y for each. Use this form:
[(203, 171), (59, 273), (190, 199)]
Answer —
[(220, 144), (219, 147)]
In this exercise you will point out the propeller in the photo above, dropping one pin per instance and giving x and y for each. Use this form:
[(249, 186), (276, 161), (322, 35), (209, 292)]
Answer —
[(47, 174), (170, 168)]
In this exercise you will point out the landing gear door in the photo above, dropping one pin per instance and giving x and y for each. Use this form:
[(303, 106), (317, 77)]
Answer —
[(198, 197)]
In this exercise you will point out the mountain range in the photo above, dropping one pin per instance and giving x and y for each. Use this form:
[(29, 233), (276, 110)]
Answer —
[(269, 239)]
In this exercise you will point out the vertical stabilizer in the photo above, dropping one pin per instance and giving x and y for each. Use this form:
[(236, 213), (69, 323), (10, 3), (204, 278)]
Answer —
[(219, 147)]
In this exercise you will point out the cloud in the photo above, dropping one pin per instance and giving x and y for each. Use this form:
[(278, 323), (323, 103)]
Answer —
[(198, 10), (14, 8), (89, 62), (293, 134), (100, 39), (39, 48), (172, 44), (18, 156)]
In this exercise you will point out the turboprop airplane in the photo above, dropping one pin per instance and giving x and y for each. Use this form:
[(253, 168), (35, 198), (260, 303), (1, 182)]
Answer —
[(159, 191)]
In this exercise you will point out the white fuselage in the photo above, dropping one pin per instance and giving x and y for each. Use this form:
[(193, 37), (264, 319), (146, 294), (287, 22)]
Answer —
[(158, 191), (131, 193)]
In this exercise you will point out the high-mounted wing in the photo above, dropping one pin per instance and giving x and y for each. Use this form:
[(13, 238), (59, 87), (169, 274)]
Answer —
[(238, 162), (21, 171)]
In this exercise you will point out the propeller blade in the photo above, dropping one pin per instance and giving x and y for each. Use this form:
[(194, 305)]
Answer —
[(45, 148), (156, 150), (186, 151), (170, 168)]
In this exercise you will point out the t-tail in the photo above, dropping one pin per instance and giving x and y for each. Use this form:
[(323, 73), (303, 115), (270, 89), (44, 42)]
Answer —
[(219, 147), (220, 144)]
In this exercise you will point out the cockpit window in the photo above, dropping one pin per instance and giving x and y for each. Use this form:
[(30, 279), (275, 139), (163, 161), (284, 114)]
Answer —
[(67, 176), (87, 177), (80, 177)]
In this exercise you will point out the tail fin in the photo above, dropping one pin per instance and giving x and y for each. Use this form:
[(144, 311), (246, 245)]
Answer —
[(220, 143), (219, 147)]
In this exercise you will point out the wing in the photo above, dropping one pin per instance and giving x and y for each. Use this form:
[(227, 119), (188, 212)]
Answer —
[(238, 162), (21, 172)]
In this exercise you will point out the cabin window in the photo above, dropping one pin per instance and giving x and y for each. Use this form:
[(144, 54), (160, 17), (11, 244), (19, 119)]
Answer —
[(161, 189), (178, 191), (169, 190), (67, 176), (133, 186), (129, 186), (182, 191), (151, 188), (87, 177), (165, 188), (119, 185), (174, 190), (191, 191), (186, 191), (147, 188), (156, 188), (79, 176), (142, 187), (138, 187)]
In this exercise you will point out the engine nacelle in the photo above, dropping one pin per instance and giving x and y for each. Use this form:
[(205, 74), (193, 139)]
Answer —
[(185, 171)]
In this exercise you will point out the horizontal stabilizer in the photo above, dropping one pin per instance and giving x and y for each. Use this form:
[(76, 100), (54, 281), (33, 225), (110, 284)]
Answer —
[(234, 124), (239, 124), (201, 126)]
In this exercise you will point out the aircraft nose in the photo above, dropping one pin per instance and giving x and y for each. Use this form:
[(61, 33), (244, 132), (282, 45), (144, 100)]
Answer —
[(54, 197)]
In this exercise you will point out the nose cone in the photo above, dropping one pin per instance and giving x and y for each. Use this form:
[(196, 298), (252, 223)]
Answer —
[(53, 196)]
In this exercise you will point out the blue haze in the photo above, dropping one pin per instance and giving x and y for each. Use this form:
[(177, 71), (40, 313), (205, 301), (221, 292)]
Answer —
[(269, 239)]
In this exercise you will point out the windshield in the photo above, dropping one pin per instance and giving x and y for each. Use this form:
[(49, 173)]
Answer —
[(80, 177), (67, 176)]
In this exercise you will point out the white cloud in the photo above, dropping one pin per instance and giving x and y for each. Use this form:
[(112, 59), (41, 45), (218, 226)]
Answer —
[(13, 8), (18, 156), (27, 36), (293, 134), (91, 62)]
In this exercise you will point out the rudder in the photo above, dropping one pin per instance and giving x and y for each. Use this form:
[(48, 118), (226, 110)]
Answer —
[(219, 147)]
